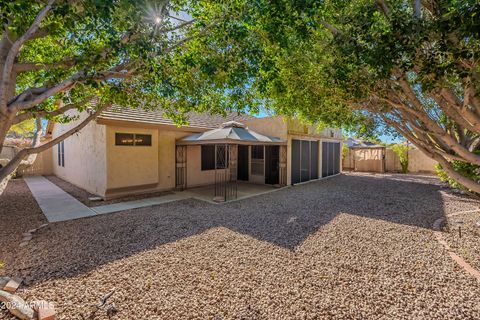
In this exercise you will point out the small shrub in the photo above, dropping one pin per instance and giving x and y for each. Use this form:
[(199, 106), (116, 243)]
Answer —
[(345, 150), (401, 150)]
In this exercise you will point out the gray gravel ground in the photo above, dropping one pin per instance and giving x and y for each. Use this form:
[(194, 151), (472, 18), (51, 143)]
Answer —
[(465, 242), (350, 247)]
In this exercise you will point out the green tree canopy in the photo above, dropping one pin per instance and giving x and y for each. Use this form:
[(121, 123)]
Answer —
[(178, 55), (407, 66)]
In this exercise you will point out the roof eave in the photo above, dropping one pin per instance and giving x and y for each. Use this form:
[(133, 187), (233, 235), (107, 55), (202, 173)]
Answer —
[(229, 141)]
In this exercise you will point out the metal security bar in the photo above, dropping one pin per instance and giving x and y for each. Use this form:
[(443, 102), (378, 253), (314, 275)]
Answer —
[(181, 167)]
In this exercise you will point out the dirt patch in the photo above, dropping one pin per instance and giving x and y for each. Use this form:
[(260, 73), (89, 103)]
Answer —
[(83, 195), (19, 212)]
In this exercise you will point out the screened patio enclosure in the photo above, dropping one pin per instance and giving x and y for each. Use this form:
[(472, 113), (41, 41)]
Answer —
[(229, 154)]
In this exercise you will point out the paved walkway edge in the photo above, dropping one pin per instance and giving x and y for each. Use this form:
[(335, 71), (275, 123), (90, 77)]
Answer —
[(455, 257), (56, 204)]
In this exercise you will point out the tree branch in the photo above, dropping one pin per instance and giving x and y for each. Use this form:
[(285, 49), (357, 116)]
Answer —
[(383, 6), (16, 161), (178, 26), (32, 66), (433, 127), (27, 104), (43, 114), (9, 61), (417, 9)]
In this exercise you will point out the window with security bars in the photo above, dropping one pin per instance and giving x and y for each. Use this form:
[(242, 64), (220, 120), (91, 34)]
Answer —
[(208, 157)]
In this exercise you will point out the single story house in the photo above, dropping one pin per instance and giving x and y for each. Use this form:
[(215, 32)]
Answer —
[(130, 151)]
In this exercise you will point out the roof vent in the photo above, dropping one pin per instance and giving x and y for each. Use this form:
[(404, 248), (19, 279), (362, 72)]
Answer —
[(232, 124)]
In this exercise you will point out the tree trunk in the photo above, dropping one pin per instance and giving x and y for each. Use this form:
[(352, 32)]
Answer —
[(4, 183), (464, 181)]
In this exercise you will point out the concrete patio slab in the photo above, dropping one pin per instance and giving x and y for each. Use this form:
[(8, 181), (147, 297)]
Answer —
[(244, 190), (56, 204), (121, 206)]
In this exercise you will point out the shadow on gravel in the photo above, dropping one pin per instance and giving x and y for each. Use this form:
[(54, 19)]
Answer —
[(285, 218)]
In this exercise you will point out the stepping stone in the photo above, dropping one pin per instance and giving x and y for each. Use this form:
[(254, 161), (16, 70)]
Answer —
[(4, 281), (12, 285), (45, 310)]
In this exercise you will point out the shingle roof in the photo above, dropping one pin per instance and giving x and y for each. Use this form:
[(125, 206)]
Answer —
[(196, 120)]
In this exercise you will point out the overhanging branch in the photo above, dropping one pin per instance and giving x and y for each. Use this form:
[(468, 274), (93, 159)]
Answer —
[(15, 162), (43, 114), (9, 61)]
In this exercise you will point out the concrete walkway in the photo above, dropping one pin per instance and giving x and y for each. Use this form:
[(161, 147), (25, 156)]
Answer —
[(56, 204)]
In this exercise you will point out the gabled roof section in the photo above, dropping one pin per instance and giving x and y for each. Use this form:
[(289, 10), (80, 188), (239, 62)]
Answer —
[(156, 117)]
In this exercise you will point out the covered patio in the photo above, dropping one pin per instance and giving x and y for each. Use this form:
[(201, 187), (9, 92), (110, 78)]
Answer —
[(244, 190), (222, 157)]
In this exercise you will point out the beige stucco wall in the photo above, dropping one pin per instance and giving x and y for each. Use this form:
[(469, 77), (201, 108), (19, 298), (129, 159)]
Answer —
[(41, 166), (270, 126), (85, 159), (420, 162), (131, 166), (136, 169)]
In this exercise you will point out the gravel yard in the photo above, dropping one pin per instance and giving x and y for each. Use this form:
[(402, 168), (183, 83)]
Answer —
[(350, 247), (466, 241)]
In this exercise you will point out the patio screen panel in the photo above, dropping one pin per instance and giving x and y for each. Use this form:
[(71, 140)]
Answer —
[(330, 158), (337, 158), (305, 161), (331, 150), (314, 160), (296, 161), (324, 159)]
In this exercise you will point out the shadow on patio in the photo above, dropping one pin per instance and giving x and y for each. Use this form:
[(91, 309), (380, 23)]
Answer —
[(243, 190)]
